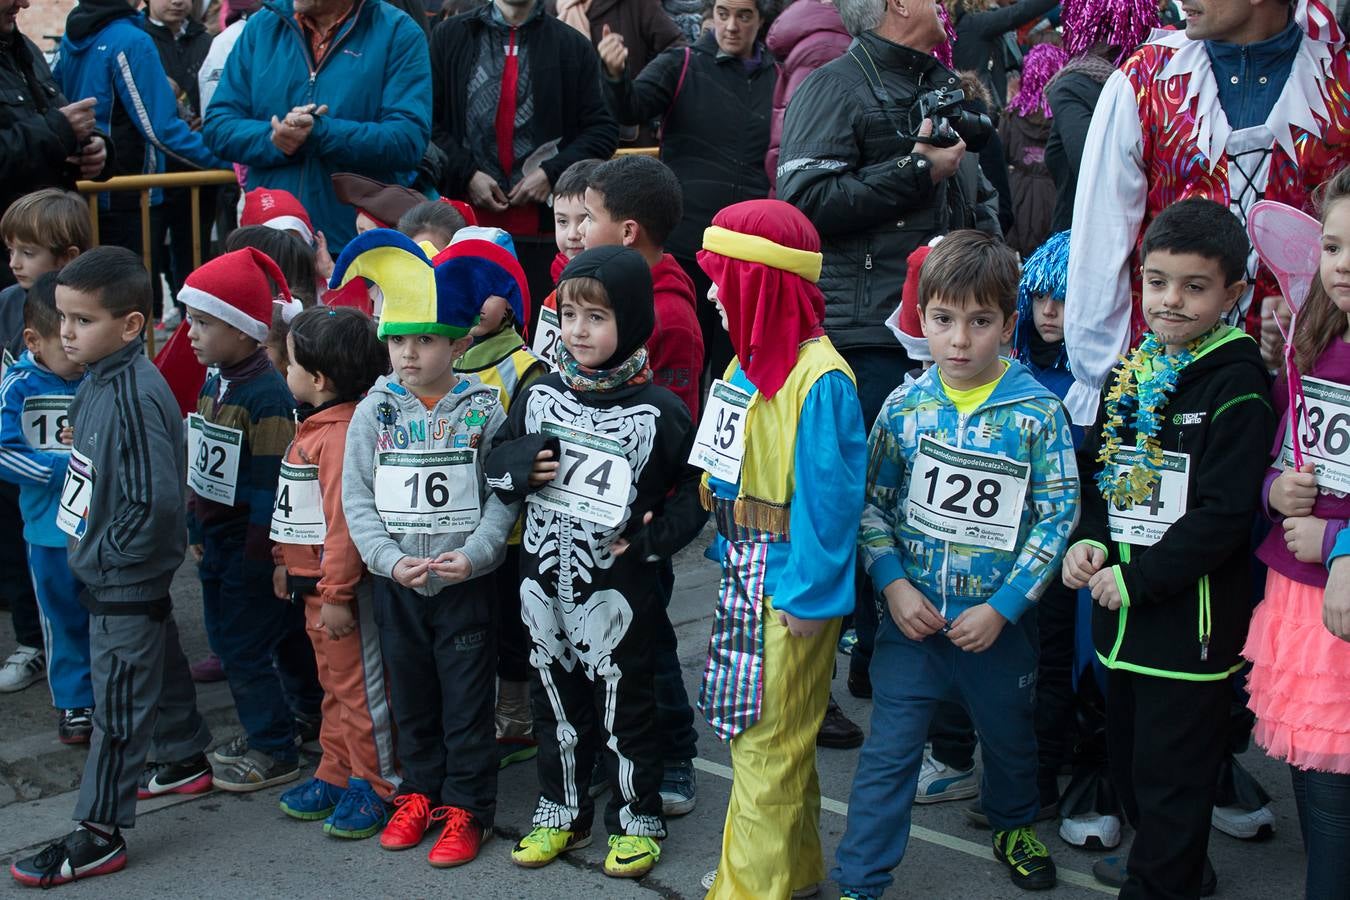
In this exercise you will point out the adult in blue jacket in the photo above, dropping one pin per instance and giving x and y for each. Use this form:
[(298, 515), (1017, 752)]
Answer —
[(321, 86), (106, 55)]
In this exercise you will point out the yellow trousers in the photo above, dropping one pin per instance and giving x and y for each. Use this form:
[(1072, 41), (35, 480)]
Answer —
[(771, 839)]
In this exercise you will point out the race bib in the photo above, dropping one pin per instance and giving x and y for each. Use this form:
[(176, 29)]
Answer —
[(1324, 426), (42, 420), (965, 496), (427, 491), (547, 337), (719, 444), (1144, 524), (72, 512), (213, 459), (593, 479), (297, 515)]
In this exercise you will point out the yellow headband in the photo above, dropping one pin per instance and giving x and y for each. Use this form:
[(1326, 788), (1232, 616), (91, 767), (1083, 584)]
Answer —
[(753, 248)]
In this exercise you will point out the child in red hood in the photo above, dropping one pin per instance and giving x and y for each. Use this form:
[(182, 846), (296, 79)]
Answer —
[(636, 201)]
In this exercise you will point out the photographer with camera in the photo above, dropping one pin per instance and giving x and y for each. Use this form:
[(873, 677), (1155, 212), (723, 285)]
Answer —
[(874, 152)]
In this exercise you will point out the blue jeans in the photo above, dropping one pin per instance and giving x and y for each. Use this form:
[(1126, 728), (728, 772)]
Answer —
[(1323, 800), (245, 625), (998, 687)]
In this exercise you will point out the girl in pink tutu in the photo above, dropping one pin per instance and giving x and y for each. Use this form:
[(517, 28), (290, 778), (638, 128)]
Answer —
[(1300, 678)]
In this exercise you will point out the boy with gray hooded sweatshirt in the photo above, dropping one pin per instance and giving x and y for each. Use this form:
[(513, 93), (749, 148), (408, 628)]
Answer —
[(428, 528), (122, 506)]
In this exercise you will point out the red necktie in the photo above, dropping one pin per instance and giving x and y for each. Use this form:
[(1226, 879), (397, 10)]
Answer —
[(505, 125)]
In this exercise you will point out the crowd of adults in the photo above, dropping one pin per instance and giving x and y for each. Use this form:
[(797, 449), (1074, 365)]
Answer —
[(848, 110)]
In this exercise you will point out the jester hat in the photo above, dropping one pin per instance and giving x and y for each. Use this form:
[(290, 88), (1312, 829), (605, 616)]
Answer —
[(419, 296)]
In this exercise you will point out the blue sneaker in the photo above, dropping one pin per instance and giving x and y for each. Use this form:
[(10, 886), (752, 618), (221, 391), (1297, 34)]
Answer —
[(311, 801), (847, 641), (359, 814)]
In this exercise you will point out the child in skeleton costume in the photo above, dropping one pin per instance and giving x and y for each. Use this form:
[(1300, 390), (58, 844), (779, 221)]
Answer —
[(600, 454), (784, 446), (426, 525), (1231, 122)]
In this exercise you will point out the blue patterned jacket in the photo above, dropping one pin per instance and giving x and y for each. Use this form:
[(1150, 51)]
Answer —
[(1023, 421)]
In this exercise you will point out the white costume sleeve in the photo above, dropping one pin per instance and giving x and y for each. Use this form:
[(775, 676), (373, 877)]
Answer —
[(1107, 212)]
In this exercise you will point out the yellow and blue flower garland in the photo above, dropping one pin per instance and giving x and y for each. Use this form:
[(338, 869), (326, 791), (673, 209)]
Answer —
[(1143, 381)]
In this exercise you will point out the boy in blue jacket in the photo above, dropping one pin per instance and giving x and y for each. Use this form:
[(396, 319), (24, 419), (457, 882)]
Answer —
[(34, 396), (105, 55), (971, 496)]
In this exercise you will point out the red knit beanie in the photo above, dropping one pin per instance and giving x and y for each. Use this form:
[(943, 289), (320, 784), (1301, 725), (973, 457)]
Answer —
[(235, 289), (276, 209)]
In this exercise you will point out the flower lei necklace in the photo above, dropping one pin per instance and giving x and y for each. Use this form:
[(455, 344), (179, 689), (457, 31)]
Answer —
[(1143, 380)]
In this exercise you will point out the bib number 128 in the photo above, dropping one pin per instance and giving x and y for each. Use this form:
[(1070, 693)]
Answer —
[(984, 504)]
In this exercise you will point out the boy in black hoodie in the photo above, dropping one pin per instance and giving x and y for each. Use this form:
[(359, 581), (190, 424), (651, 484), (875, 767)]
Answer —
[(1164, 539), (599, 454)]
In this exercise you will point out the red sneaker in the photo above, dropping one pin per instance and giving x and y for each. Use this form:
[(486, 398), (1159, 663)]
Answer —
[(460, 840), (409, 824)]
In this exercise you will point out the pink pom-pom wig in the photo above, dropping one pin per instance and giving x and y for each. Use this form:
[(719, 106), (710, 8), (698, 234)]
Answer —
[(1118, 23), (1038, 67)]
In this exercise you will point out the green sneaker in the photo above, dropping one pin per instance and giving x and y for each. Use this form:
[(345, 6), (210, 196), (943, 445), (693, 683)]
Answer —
[(1029, 863), (543, 845), (631, 856)]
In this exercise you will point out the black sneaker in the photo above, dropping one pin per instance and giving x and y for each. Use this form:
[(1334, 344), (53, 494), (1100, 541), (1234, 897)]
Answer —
[(80, 854), (76, 725), (191, 776), (1028, 862), (230, 753), (837, 731)]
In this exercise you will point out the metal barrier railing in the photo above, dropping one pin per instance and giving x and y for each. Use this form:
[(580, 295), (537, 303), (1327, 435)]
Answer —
[(194, 181)]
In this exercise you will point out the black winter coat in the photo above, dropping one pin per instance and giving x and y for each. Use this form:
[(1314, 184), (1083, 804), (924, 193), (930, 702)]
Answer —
[(871, 196), (1189, 594), (35, 137), (980, 38), (716, 130), (182, 56), (569, 105), (1072, 97)]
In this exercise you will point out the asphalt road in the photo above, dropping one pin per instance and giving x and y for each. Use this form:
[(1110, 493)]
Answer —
[(241, 846)]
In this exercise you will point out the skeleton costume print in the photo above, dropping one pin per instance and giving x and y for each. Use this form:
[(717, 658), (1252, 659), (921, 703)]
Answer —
[(591, 613)]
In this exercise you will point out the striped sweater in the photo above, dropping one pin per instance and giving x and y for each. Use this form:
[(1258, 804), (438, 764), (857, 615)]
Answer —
[(250, 396)]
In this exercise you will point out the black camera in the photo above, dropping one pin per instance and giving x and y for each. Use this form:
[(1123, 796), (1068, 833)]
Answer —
[(951, 121)]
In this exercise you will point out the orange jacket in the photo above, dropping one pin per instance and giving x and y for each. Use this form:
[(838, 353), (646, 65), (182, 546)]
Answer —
[(320, 440)]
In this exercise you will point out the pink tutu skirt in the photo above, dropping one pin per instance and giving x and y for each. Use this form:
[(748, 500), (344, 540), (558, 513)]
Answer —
[(1300, 679)]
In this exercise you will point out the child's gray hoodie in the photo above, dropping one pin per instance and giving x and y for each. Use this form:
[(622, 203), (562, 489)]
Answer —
[(392, 418)]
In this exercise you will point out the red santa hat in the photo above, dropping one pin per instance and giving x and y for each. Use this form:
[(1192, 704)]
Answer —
[(905, 321), (276, 209), (235, 289)]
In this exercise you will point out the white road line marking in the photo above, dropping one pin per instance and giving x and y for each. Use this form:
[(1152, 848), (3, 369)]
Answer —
[(930, 836)]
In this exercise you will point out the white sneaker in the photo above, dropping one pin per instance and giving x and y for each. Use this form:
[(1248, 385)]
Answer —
[(1242, 824), (1092, 832), (172, 318), (939, 782), (25, 666)]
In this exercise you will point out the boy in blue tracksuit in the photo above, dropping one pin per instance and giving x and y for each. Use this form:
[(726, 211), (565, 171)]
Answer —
[(971, 496), (33, 400), (106, 55)]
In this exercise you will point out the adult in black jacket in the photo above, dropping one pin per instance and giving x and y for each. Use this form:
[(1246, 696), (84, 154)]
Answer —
[(983, 33), (716, 98), (40, 131), (560, 118), (183, 43), (1072, 95), (874, 195)]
